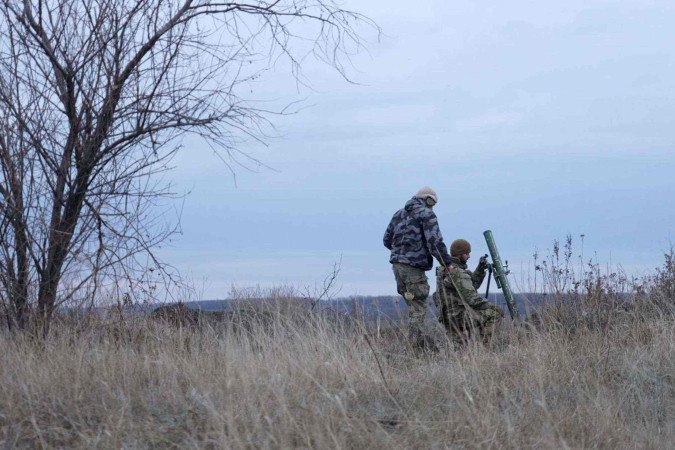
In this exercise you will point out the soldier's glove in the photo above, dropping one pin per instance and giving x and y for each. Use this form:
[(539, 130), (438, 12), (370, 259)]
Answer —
[(483, 306), (487, 305), (495, 310), (483, 262)]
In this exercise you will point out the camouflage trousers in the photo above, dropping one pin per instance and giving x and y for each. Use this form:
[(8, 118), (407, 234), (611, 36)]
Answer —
[(413, 285), (463, 322)]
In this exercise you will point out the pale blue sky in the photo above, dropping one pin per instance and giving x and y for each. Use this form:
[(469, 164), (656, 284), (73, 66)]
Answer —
[(535, 119)]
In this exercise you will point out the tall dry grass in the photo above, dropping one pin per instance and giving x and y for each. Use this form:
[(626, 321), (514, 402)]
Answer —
[(589, 374)]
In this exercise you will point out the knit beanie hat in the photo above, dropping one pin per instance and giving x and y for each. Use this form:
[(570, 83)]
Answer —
[(426, 192), (460, 247)]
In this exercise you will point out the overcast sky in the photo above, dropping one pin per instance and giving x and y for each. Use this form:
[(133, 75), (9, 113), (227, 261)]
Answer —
[(533, 119)]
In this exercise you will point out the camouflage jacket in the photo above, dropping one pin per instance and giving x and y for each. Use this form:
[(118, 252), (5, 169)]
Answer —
[(414, 238), (460, 287)]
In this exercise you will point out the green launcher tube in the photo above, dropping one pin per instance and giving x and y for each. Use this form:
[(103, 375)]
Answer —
[(500, 273)]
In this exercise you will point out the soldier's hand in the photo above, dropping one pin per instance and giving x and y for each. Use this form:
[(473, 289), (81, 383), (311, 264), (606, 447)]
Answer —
[(497, 310), (483, 305), (483, 262)]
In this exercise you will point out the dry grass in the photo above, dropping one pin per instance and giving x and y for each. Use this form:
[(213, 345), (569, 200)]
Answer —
[(585, 376)]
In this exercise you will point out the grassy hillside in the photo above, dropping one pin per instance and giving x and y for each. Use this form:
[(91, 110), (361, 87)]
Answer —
[(599, 372)]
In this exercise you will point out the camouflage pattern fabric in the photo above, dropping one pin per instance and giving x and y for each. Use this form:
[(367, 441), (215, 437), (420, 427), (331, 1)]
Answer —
[(413, 285), (414, 238), (461, 310)]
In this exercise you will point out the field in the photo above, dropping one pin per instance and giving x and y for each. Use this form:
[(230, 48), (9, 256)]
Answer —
[(598, 371)]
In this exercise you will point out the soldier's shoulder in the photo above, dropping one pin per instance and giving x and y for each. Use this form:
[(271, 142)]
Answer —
[(459, 271), (427, 212), (456, 268), (426, 215), (397, 215)]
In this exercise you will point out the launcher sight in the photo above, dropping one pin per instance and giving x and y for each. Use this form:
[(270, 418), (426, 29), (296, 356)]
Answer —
[(501, 270)]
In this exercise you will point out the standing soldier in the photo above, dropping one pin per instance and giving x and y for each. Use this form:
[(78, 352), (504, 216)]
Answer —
[(414, 238), (461, 310)]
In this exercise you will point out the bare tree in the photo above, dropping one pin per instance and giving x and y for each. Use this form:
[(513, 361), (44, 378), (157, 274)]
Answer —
[(94, 95)]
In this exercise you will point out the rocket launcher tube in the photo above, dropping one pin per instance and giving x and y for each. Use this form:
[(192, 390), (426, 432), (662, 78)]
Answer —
[(500, 273)]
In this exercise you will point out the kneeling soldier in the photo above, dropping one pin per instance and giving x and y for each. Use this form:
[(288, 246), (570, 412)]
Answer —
[(461, 310)]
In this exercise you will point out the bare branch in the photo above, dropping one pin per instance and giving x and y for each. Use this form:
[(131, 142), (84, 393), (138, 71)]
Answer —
[(95, 96)]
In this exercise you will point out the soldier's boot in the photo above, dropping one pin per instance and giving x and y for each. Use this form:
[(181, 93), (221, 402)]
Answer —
[(421, 342), (429, 344), (458, 340), (491, 319), (415, 338)]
